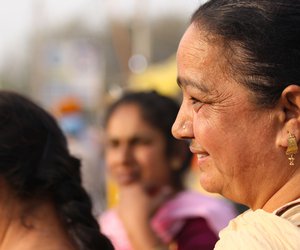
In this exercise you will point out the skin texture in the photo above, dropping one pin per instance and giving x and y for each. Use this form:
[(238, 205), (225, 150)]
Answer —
[(39, 229), (240, 146), (136, 159)]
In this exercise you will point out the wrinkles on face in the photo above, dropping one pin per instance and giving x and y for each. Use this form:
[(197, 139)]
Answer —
[(220, 111), (206, 78)]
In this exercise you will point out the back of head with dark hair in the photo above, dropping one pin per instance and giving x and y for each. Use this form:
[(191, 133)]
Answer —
[(36, 164), (160, 112), (261, 40)]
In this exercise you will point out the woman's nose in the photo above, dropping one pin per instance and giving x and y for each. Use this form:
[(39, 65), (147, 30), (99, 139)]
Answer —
[(123, 154), (183, 126)]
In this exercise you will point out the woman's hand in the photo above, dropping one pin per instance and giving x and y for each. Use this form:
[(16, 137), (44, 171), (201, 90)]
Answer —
[(135, 208)]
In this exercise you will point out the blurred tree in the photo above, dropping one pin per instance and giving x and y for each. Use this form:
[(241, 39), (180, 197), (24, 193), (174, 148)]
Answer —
[(114, 44)]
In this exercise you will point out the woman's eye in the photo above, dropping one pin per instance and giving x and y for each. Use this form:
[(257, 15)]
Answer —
[(112, 143), (196, 104), (142, 141)]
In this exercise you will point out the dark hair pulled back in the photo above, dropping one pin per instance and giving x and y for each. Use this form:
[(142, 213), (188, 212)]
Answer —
[(36, 164), (261, 40)]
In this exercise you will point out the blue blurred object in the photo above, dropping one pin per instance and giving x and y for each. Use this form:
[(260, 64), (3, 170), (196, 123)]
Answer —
[(72, 124)]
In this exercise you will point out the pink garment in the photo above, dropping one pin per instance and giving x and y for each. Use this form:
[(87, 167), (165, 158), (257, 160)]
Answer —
[(171, 217), (112, 227)]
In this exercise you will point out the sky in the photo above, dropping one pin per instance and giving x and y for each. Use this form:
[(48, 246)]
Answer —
[(18, 17)]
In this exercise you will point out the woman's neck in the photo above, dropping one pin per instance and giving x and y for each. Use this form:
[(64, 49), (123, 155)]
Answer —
[(284, 195), (30, 226)]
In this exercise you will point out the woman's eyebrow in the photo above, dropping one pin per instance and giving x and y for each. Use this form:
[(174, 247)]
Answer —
[(184, 82)]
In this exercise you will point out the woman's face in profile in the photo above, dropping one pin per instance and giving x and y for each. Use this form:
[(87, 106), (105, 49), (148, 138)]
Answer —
[(227, 131), (135, 151)]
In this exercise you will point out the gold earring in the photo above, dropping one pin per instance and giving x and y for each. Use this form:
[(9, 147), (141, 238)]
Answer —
[(292, 148)]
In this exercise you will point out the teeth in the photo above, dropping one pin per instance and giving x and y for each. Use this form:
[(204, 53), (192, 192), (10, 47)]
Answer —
[(200, 156)]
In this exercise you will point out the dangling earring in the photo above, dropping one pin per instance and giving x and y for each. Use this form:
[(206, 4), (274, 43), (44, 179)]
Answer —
[(292, 148)]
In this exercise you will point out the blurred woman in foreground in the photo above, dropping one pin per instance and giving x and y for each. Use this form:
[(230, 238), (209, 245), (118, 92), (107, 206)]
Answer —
[(42, 203)]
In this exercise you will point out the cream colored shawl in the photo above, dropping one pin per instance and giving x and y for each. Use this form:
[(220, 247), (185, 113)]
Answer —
[(258, 229)]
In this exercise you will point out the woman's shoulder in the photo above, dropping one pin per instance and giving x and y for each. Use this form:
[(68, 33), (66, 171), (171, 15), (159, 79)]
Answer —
[(290, 212), (259, 230)]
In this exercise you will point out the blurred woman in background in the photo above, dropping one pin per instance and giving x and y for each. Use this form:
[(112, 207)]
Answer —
[(154, 210)]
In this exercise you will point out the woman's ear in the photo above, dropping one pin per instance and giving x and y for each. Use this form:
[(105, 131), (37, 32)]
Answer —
[(290, 107)]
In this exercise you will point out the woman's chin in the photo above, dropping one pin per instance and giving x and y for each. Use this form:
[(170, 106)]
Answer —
[(208, 183), (125, 180)]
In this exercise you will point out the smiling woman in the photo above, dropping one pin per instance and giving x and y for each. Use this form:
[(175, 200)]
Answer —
[(239, 71)]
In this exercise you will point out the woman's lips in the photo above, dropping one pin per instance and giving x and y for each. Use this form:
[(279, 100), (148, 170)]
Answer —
[(126, 177), (199, 152), (200, 156)]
